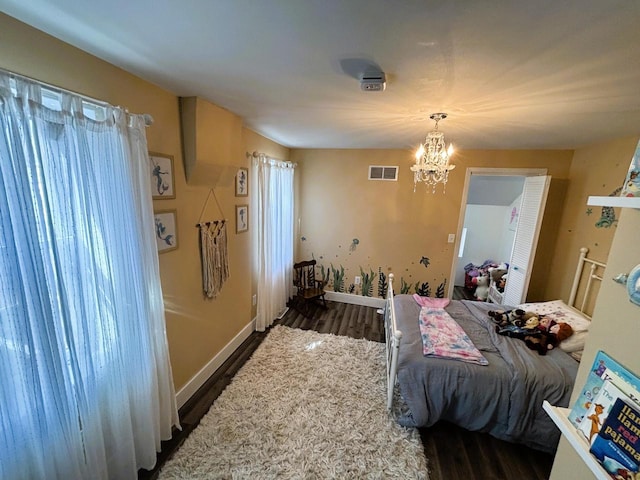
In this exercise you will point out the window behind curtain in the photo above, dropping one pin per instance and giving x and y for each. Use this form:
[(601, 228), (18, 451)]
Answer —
[(86, 380)]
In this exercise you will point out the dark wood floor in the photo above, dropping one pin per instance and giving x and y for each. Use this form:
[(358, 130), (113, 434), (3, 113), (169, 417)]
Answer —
[(461, 293), (452, 452)]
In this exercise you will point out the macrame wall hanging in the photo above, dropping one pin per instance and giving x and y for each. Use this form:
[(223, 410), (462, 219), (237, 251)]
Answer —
[(213, 251)]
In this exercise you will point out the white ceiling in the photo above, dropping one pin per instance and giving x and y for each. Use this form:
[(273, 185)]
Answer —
[(510, 73)]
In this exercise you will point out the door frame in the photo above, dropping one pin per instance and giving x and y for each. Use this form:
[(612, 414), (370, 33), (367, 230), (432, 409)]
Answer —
[(485, 172)]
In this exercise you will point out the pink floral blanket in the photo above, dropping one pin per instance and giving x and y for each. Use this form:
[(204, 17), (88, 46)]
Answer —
[(442, 337)]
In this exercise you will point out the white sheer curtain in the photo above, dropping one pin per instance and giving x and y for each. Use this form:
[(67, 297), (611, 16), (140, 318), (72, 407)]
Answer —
[(273, 221), (85, 381)]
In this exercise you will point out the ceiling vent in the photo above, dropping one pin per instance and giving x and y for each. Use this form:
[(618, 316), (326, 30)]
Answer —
[(373, 82), (377, 172)]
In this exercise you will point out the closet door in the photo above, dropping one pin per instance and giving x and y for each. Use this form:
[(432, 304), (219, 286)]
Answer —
[(534, 198)]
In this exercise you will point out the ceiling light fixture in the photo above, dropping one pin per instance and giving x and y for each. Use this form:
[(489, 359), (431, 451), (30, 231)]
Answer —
[(432, 158)]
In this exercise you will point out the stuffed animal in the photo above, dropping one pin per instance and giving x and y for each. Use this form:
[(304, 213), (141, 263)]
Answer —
[(530, 317), (545, 323), (517, 329), (544, 342), (531, 322), (497, 275), (505, 317), (561, 331), (517, 317), (482, 287), (514, 331), (502, 283)]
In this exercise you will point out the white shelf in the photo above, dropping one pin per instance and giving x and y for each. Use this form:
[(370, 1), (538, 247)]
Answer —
[(560, 417), (625, 202)]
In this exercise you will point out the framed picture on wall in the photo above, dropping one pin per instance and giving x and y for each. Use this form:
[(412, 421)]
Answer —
[(161, 176), (166, 226), (242, 218), (242, 182)]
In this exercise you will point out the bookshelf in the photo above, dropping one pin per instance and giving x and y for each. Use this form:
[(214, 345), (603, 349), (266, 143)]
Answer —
[(560, 417)]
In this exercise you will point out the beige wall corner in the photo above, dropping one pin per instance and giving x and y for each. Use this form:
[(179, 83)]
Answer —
[(595, 170)]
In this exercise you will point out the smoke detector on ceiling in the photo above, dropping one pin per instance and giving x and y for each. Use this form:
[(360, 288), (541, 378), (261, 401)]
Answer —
[(373, 82)]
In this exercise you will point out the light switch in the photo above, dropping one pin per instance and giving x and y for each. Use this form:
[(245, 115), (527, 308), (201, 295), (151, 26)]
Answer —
[(452, 238)]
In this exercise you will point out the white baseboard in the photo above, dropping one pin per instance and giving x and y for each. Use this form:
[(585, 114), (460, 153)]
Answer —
[(355, 299), (192, 386)]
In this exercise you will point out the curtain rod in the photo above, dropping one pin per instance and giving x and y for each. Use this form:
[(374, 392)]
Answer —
[(148, 119), (256, 154)]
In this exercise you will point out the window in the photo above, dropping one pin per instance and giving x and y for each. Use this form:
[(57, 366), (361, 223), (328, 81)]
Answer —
[(84, 364)]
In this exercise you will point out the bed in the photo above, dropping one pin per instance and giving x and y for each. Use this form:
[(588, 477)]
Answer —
[(503, 398)]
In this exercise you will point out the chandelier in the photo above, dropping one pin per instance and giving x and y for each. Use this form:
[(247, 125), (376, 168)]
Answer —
[(432, 159)]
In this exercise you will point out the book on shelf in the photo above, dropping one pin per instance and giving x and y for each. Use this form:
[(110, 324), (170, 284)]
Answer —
[(612, 389), (617, 445), (604, 367)]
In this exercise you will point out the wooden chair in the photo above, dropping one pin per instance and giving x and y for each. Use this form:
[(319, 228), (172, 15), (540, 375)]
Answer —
[(308, 288)]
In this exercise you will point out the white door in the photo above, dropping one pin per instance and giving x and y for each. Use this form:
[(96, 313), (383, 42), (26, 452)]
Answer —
[(534, 198)]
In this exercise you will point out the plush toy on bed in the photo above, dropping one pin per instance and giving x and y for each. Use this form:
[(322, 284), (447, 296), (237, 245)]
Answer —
[(517, 317), (546, 341), (505, 317), (482, 287), (545, 323), (532, 322), (519, 330)]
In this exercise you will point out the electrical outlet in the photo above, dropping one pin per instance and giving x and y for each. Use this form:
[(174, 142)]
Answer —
[(452, 238), (358, 280)]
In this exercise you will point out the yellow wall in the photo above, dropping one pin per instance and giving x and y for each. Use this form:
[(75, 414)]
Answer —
[(395, 226), (595, 170), (197, 328)]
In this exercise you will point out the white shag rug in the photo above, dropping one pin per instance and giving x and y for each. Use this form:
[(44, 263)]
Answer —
[(305, 406)]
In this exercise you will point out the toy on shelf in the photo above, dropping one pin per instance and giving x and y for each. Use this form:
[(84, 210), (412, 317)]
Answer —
[(495, 275)]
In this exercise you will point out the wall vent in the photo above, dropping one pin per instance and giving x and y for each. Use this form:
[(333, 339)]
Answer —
[(378, 172)]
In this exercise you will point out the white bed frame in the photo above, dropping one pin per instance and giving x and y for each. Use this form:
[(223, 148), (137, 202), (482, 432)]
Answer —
[(583, 261), (394, 336)]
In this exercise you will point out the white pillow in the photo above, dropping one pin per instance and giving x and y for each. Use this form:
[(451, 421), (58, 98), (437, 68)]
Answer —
[(561, 312)]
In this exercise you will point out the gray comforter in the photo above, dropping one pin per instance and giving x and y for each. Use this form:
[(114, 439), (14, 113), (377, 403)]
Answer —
[(503, 398)]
